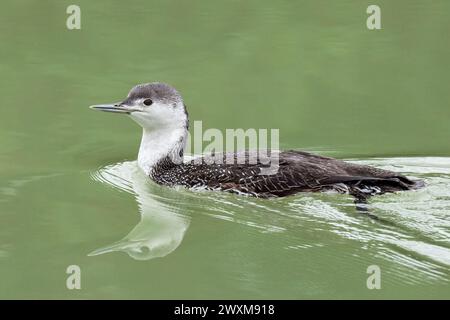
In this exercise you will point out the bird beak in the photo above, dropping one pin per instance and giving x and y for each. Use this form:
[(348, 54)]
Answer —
[(117, 108)]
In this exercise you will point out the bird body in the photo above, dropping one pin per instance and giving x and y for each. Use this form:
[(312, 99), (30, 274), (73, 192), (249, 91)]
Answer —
[(297, 172)]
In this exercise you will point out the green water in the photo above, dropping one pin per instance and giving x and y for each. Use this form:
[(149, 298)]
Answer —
[(71, 193)]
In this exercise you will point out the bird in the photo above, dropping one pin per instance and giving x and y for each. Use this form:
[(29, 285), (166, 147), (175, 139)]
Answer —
[(160, 110)]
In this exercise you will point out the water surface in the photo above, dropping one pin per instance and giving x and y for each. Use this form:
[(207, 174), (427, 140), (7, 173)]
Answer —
[(71, 193)]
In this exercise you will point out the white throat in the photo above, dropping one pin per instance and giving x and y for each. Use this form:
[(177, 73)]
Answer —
[(157, 144)]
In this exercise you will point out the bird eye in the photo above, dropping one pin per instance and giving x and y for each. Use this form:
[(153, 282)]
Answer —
[(148, 102)]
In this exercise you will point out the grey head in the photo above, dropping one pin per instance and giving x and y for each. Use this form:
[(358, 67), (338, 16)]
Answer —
[(154, 92), (152, 105)]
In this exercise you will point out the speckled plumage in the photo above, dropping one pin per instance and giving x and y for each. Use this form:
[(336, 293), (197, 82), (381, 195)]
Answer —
[(298, 172)]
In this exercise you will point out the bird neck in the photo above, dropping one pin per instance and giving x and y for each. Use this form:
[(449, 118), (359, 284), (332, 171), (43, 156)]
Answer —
[(162, 144)]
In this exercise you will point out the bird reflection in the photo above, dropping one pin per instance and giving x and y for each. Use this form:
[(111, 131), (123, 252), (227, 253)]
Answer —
[(162, 226)]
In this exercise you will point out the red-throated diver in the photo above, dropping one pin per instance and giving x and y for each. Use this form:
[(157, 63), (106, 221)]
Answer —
[(160, 110)]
